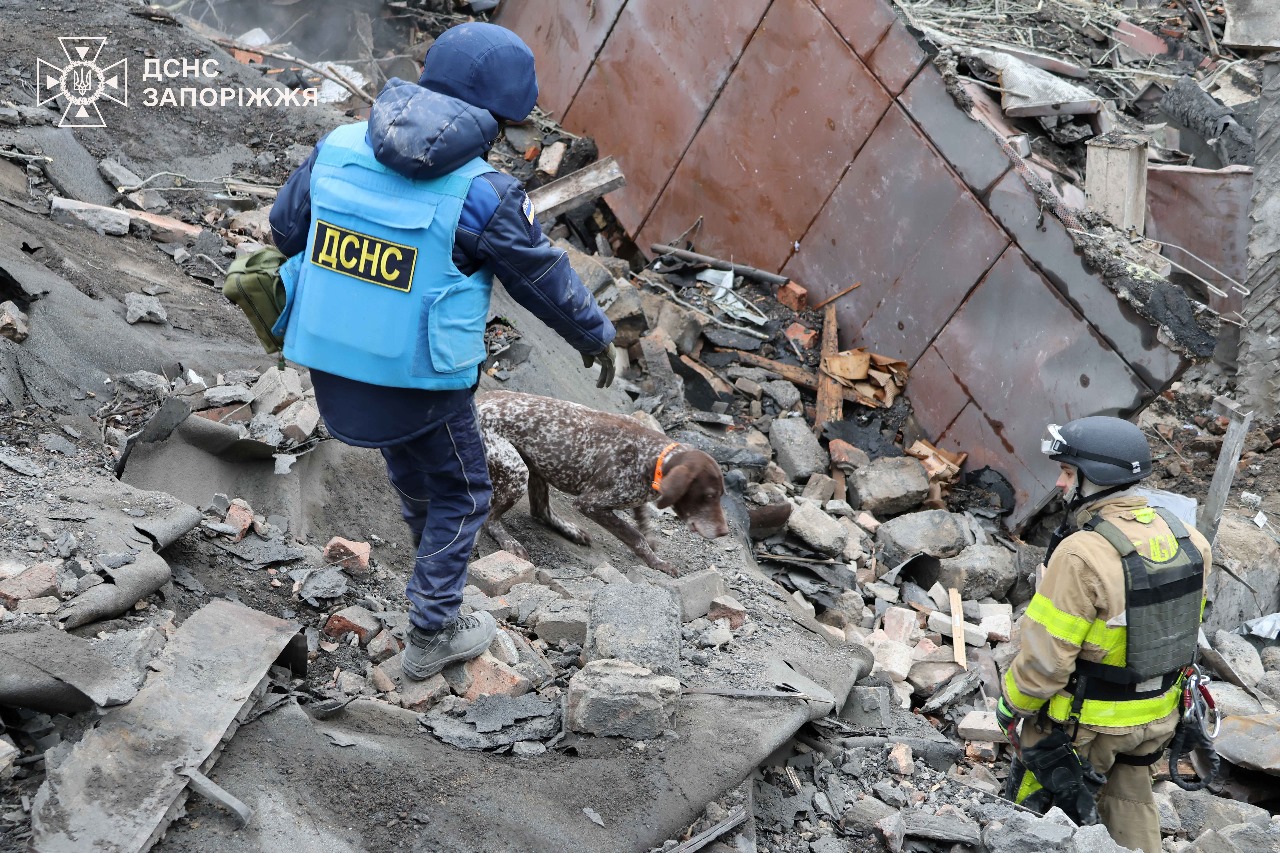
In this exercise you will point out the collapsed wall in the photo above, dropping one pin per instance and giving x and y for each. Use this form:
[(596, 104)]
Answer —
[(814, 138)]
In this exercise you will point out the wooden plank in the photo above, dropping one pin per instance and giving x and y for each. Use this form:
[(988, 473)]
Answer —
[(830, 405), (790, 372), (586, 184), (1116, 180), (957, 626), (117, 788), (1228, 459)]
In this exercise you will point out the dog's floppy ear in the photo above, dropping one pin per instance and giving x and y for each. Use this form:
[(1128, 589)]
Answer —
[(674, 484)]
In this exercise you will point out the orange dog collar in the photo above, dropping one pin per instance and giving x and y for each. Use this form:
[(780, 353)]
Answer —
[(657, 468)]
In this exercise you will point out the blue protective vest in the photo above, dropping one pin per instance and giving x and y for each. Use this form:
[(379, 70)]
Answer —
[(376, 296)]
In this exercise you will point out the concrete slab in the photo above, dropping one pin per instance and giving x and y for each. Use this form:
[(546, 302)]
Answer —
[(1251, 24), (114, 789)]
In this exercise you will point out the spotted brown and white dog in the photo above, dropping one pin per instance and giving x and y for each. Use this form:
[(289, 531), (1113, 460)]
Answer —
[(608, 462)]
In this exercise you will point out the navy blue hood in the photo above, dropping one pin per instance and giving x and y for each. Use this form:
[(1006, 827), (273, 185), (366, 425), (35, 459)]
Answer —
[(425, 134), (485, 65)]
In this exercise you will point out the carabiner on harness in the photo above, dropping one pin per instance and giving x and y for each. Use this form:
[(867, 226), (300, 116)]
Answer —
[(1194, 729), (1197, 703)]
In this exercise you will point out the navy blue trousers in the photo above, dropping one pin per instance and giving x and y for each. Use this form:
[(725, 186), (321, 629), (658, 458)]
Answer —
[(443, 482)]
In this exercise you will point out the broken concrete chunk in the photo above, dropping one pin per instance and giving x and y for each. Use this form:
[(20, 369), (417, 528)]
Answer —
[(626, 312), (353, 619), (782, 392), (926, 677), (817, 530), (973, 635), (638, 623), (104, 220), (498, 572), (227, 395), (164, 229), (562, 620), (730, 609), (797, 450), (889, 486), (420, 696), (140, 308), (893, 659), (348, 554), (8, 755), (146, 382), (900, 624), (299, 420), (276, 390), (1027, 833), (485, 676), (695, 592), (980, 726), (820, 488), (1201, 811), (117, 175), (13, 322), (934, 532), (608, 574), (612, 698), (383, 647), (1241, 655), (900, 760), (979, 571)]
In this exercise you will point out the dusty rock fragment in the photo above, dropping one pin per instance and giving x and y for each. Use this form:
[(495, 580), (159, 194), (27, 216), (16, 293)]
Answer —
[(900, 760), (817, 530), (421, 695), (240, 517), (695, 592), (1201, 811), (1242, 656), (562, 620), (37, 581), (104, 220), (934, 532), (973, 635), (730, 609), (276, 390), (1027, 833), (1271, 658), (8, 755), (979, 571), (889, 486), (485, 676), (13, 322), (146, 382), (797, 450), (140, 308), (782, 392), (894, 659), (498, 572), (635, 622), (350, 555), (353, 619), (980, 725), (614, 698), (383, 647), (299, 420), (227, 395)]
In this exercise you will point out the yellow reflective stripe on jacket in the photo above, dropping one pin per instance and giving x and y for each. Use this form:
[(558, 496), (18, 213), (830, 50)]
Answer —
[(1064, 626), (1112, 641), (1079, 631), (1132, 712), (1030, 784), (1018, 699)]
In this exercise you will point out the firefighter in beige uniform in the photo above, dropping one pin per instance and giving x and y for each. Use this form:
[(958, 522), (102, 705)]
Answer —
[(1107, 639)]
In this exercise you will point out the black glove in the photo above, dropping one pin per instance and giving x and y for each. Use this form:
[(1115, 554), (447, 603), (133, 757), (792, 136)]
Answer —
[(1008, 722), (606, 358)]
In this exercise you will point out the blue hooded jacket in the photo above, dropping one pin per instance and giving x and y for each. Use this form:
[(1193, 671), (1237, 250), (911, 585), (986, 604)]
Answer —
[(423, 133)]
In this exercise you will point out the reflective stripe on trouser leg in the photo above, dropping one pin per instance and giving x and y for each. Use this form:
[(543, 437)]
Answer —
[(447, 467)]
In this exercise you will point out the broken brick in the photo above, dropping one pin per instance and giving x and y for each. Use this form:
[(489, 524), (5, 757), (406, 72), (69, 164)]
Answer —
[(383, 647), (727, 607), (240, 516), (804, 338), (899, 624), (847, 457), (352, 556), (485, 676), (164, 229), (36, 582), (354, 619), (495, 574), (238, 413), (794, 296), (421, 695), (901, 761)]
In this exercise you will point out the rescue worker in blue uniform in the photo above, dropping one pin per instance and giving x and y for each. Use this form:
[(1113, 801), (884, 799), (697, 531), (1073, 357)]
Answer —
[(394, 230)]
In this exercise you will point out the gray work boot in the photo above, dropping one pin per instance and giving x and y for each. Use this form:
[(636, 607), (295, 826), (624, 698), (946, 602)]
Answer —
[(464, 638)]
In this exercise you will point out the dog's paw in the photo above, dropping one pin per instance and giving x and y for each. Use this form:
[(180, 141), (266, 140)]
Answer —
[(576, 535), (665, 567)]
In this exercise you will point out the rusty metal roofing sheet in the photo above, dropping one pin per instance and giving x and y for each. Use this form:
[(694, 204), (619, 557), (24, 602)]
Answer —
[(1025, 357), (862, 23), (936, 396), (565, 38), (894, 197), (921, 300), (1047, 243), (976, 434), (967, 144), (665, 63), (794, 112), (897, 58)]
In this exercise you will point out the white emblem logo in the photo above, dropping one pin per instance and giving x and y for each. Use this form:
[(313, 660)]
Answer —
[(82, 82)]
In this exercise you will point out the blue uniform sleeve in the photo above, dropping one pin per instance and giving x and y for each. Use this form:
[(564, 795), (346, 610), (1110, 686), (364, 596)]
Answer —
[(498, 230), (291, 213)]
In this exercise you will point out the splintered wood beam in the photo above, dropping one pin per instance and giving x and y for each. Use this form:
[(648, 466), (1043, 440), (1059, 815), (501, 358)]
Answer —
[(791, 373), (586, 184), (830, 405)]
